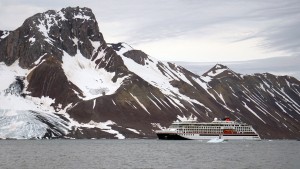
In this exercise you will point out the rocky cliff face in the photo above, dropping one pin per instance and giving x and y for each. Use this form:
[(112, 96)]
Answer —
[(76, 85), (51, 33)]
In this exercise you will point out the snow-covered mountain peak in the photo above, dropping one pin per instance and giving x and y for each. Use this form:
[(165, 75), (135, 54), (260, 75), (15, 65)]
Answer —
[(50, 34), (219, 71), (78, 13), (45, 21)]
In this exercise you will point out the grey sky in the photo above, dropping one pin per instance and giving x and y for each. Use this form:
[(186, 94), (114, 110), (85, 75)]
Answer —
[(185, 30)]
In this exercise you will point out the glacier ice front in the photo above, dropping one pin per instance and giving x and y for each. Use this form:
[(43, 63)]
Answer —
[(28, 124)]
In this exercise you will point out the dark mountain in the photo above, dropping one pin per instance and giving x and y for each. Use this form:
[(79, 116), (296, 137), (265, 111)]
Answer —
[(68, 82), (271, 102)]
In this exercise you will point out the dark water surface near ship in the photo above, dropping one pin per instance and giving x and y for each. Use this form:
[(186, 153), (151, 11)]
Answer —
[(148, 154)]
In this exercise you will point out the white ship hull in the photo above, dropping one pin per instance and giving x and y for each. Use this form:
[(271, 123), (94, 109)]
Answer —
[(227, 137), (177, 136)]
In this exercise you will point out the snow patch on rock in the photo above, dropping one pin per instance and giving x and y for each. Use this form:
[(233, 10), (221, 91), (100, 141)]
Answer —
[(92, 81)]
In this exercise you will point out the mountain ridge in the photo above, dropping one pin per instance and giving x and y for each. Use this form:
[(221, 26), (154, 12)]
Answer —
[(78, 86), (280, 66)]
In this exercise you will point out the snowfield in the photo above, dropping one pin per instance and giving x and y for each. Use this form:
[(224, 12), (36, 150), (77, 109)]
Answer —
[(92, 81)]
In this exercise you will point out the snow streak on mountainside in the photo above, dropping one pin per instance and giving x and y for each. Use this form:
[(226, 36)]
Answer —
[(61, 79), (159, 75)]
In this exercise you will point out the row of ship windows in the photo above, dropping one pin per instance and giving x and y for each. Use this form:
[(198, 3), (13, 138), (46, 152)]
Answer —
[(211, 130), (210, 125), (193, 126), (217, 128), (203, 132)]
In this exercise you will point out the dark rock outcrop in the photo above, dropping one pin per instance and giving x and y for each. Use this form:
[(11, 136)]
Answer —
[(4, 34), (17, 87), (48, 79), (138, 56)]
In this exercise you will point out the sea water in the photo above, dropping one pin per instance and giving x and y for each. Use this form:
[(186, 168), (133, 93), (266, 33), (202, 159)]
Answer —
[(148, 154)]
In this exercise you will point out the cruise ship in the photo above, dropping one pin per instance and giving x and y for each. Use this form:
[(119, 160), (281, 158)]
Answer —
[(191, 129)]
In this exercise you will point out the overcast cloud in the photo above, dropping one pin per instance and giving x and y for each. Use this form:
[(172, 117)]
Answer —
[(185, 30)]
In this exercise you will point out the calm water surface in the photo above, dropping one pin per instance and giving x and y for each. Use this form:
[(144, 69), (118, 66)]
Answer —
[(148, 154)]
